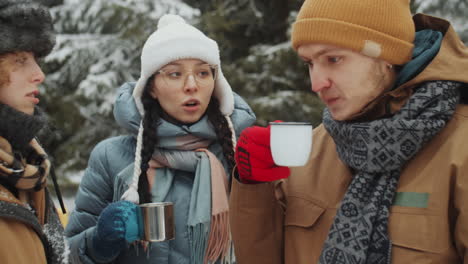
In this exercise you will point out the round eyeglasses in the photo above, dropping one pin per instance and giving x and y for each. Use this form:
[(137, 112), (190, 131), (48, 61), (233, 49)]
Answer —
[(176, 75)]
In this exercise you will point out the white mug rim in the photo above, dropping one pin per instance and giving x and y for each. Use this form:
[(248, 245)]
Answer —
[(290, 123)]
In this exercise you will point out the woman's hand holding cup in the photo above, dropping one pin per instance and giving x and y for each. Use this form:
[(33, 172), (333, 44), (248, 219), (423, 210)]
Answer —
[(118, 224)]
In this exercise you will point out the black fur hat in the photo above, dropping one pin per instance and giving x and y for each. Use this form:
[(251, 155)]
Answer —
[(25, 26)]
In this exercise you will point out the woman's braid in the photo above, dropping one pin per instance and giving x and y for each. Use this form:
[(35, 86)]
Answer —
[(150, 140), (223, 133)]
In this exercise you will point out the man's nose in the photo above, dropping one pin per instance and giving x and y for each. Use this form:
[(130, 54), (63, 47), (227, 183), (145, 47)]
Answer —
[(319, 79)]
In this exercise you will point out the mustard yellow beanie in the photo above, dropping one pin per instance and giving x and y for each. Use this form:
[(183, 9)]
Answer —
[(381, 29)]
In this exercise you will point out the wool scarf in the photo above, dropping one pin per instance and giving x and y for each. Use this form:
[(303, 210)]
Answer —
[(21, 173), (24, 167), (23, 162), (208, 211), (185, 148), (376, 152), (19, 128)]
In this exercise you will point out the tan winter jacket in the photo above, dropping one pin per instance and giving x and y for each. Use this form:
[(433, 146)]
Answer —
[(19, 243), (288, 221)]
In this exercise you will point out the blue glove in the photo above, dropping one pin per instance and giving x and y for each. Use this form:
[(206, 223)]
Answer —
[(119, 223)]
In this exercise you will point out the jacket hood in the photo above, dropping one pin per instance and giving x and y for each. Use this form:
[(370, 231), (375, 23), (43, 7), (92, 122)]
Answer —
[(450, 64), (127, 115)]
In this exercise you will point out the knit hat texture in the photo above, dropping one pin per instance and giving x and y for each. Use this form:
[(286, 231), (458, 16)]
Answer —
[(174, 40), (381, 29), (25, 26)]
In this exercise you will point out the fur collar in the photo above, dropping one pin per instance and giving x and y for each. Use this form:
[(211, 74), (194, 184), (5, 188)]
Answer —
[(20, 128)]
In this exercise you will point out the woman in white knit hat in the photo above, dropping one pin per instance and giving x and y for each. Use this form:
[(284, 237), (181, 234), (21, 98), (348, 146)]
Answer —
[(183, 118)]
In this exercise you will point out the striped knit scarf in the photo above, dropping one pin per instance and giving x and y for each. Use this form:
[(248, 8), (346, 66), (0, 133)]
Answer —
[(20, 173), (377, 151)]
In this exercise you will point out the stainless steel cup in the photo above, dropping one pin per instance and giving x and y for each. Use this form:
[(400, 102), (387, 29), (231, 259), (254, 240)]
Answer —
[(158, 221)]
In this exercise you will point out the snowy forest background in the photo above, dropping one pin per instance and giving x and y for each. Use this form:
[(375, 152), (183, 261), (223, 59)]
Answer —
[(98, 49)]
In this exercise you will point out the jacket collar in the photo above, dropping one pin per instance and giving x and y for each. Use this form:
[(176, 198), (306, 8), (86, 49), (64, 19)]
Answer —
[(20, 128)]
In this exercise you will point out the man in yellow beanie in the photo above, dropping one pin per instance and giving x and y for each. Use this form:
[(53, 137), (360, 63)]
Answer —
[(387, 179)]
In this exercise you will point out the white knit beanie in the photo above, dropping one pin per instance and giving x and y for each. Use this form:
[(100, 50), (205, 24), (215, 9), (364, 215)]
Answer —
[(174, 40)]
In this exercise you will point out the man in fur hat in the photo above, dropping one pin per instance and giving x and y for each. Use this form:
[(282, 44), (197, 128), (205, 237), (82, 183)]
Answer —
[(387, 179), (30, 230)]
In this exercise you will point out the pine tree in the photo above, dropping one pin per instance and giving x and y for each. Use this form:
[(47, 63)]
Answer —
[(98, 49), (257, 57), (99, 44), (453, 10)]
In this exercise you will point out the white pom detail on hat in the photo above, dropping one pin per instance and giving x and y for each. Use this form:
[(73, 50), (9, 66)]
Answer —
[(169, 19)]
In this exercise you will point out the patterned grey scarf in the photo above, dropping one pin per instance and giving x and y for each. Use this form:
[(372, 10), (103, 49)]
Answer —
[(376, 151)]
